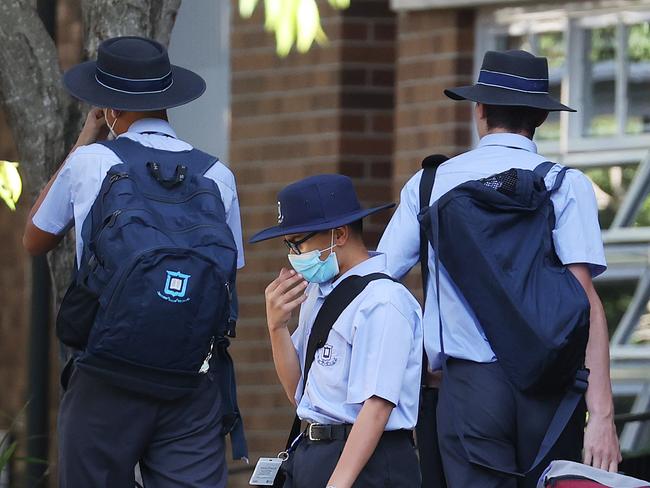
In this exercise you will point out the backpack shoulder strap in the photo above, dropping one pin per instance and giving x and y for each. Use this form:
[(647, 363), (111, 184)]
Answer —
[(429, 167), (543, 168), (203, 161), (335, 303)]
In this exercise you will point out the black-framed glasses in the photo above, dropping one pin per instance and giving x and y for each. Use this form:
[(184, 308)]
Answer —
[(294, 246)]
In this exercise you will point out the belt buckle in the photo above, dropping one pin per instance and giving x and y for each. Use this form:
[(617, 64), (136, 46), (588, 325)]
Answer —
[(310, 431)]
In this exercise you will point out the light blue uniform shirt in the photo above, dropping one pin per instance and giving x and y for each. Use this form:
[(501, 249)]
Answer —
[(373, 349), (79, 181), (576, 236)]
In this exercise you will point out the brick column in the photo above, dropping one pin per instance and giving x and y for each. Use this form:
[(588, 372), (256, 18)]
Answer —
[(327, 111), (435, 51)]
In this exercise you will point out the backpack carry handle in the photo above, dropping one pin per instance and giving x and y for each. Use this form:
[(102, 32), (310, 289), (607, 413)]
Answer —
[(168, 183)]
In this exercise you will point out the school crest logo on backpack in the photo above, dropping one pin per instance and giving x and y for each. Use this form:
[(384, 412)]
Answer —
[(175, 287)]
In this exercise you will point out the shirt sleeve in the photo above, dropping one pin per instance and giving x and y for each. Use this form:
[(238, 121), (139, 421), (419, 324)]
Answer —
[(233, 219), (381, 346), (225, 180), (56, 213), (401, 239), (577, 235)]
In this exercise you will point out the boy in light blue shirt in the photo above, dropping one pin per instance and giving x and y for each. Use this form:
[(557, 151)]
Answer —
[(478, 405), (361, 394)]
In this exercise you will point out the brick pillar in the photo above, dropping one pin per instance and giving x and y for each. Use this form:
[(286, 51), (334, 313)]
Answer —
[(367, 103), (434, 51), (327, 111)]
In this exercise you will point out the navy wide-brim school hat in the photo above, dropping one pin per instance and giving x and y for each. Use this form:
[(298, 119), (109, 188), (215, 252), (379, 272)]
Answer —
[(134, 74), (316, 203), (515, 78)]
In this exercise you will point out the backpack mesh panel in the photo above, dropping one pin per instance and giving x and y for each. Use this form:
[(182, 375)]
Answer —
[(505, 182)]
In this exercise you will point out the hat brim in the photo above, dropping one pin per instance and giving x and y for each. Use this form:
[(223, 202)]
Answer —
[(492, 95), (280, 230), (81, 83)]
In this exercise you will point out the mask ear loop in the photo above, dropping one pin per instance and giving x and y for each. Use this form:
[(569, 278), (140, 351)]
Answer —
[(332, 245)]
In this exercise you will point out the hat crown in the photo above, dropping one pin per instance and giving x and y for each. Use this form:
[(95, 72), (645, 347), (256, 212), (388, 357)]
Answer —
[(135, 58), (317, 199), (516, 62)]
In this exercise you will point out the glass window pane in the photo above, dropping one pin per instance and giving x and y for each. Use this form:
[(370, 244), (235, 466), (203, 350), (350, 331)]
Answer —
[(600, 82), (551, 45), (638, 52)]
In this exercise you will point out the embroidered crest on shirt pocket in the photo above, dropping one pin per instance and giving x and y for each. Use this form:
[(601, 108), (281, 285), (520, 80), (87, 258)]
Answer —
[(325, 356)]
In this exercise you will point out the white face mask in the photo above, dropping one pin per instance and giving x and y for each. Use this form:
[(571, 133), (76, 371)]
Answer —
[(110, 127)]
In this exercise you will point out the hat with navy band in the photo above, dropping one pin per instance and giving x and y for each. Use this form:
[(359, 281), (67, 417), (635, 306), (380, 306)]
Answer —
[(515, 78), (316, 203), (134, 74)]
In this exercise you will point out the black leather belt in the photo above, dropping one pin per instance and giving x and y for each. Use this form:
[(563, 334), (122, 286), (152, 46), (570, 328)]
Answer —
[(328, 432), (340, 432)]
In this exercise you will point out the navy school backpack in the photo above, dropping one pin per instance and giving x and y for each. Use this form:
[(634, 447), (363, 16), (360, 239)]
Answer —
[(494, 239), (158, 271)]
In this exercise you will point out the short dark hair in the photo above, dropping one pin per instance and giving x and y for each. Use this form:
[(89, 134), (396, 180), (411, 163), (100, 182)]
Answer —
[(513, 118)]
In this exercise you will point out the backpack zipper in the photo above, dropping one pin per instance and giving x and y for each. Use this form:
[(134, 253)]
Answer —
[(110, 222)]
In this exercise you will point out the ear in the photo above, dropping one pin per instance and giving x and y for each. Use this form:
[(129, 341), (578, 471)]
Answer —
[(480, 111), (341, 235)]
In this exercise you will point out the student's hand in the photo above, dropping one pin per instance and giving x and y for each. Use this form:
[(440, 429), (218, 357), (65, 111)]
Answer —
[(601, 448), (94, 128), (283, 296)]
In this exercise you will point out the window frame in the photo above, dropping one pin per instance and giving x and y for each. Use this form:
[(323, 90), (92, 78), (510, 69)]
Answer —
[(572, 19)]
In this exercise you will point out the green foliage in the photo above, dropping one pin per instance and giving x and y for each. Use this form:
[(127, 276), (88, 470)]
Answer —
[(639, 42), (603, 44), (293, 22), (7, 453), (551, 45), (10, 183)]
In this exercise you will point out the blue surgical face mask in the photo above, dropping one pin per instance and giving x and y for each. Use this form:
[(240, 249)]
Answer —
[(312, 268)]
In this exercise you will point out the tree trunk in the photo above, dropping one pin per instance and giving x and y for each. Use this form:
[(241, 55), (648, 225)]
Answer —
[(44, 119)]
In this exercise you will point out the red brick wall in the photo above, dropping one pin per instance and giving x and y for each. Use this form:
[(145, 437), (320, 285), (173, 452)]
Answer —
[(435, 50), (329, 110)]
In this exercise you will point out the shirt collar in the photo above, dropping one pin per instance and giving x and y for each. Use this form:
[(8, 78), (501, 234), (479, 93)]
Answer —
[(152, 125), (376, 263), (507, 139)]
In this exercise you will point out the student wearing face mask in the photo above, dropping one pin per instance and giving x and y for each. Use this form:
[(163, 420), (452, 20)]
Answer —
[(352, 366)]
